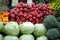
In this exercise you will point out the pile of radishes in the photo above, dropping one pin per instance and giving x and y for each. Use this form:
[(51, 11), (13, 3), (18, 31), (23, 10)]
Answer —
[(34, 13)]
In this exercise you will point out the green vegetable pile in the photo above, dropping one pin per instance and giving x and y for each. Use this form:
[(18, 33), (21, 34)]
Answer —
[(53, 27), (49, 30), (24, 31)]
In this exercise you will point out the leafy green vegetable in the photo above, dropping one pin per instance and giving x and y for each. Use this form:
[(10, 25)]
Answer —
[(39, 30), (11, 38), (50, 22), (1, 37), (53, 33), (42, 38), (26, 28), (26, 37), (12, 28)]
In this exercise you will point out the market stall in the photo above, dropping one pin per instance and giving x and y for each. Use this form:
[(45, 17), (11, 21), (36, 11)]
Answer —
[(30, 20)]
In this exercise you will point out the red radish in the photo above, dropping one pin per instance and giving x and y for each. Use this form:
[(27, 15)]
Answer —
[(30, 16), (34, 17), (32, 9), (25, 15), (44, 8), (47, 13), (37, 9), (20, 17), (33, 4), (37, 20), (33, 21), (41, 14), (12, 15), (38, 5), (30, 19), (21, 3), (29, 7), (23, 19), (48, 5), (17, 10), (45, 16), (38, 16), (25, 5), (41, 20), (44, 11), (17, 17), (20, 14), (21, 9), (12, 19), (25, 9), (48, 8), (19, 6), (43, 5), (16, 13)]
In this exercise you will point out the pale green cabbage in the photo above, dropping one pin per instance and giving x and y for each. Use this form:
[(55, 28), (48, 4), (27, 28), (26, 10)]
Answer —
[(26, 37), (42, 38), (11, 28), (26, 28), (1, 37), (10, 38), (39, 30)]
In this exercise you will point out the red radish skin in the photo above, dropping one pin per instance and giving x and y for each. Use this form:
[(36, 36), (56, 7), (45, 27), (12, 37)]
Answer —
[(35, 13), (12, 15)]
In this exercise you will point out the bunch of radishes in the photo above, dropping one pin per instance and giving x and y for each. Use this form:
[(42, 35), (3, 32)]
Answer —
[(34, 13)]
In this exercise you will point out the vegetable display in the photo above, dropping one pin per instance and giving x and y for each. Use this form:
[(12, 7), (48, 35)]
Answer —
[(34, 13), (29, 31), (35, 22)]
